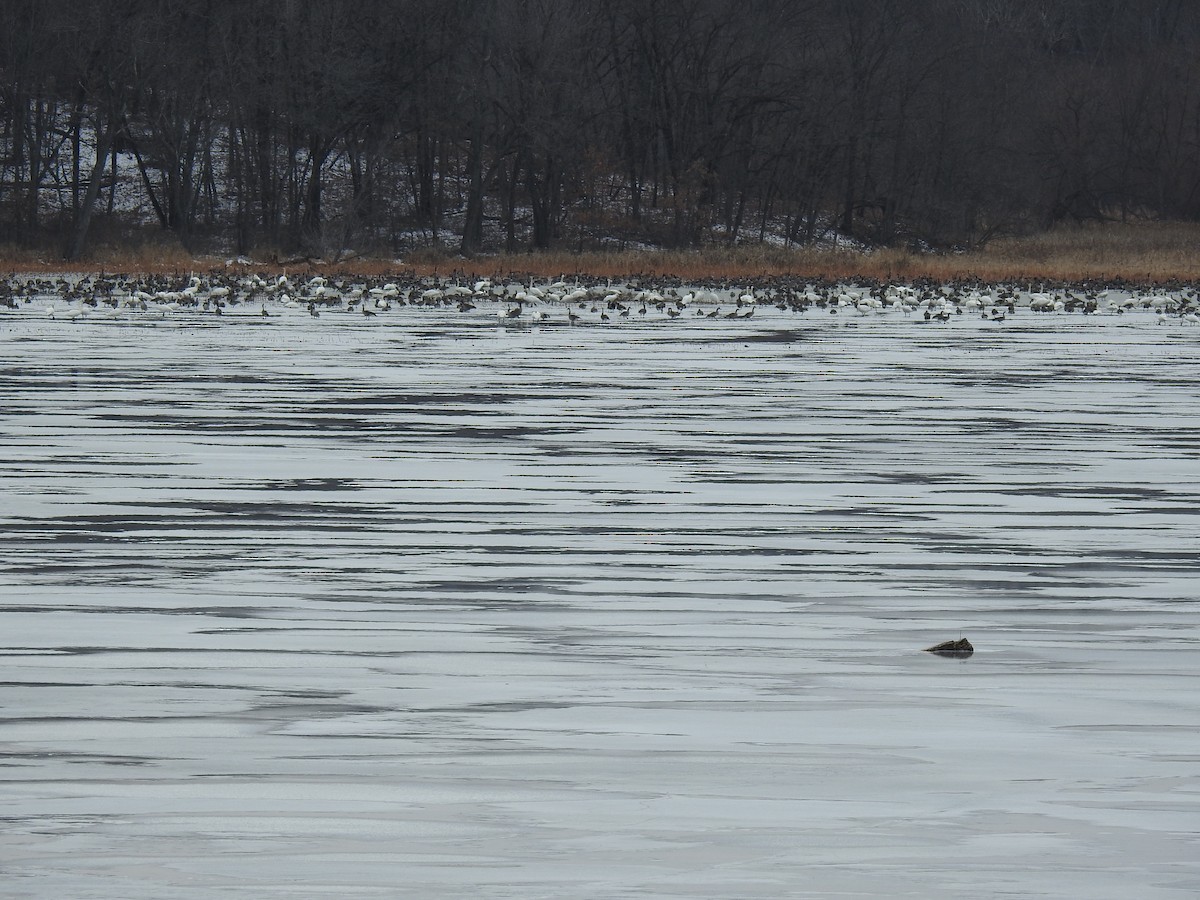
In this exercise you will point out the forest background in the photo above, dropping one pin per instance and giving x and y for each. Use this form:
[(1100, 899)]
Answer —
[(281, 128)]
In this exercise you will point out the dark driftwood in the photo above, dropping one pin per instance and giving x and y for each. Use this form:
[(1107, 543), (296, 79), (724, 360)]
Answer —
[(959, 649)]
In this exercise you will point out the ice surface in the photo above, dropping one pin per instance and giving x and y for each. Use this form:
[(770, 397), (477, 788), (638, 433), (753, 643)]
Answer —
[(436, 608)]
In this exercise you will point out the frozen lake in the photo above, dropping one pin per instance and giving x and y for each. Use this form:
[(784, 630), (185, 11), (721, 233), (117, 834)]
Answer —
[(429, 607)]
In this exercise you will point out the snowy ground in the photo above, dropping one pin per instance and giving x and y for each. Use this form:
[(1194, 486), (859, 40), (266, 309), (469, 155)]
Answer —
[(422, 605)]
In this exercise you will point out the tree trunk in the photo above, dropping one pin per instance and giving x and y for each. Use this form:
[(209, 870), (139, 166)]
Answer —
[(472, 236), (83, 220)]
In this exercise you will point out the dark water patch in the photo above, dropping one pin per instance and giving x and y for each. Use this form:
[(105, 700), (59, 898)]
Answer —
[(1139, 727), (219, 612), (295, 422), (124, 460), (299, 711), (240, 655), (485, 708), (659, 534), (458, 400), (95, 571), (229, 516), (1099, 491), (915, 478), (277, 510), (310, 484), (509, 585), (38, 756), (772, 336), (1183, 556), (38, 720)]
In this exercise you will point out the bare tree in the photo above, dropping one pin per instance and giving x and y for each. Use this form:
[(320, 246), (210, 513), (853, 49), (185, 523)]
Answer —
[(295, 126)]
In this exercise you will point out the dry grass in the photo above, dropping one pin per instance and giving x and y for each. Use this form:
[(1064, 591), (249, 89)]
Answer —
[(1142, 252), (155, 255)]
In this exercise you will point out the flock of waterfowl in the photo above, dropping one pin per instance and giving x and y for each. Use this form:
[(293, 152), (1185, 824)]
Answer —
[(573, 301)]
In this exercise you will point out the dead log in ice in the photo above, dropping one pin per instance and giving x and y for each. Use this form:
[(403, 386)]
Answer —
[(959, 649)]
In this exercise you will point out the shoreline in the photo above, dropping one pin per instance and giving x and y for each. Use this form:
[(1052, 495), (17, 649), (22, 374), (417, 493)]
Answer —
[(1136, 255)]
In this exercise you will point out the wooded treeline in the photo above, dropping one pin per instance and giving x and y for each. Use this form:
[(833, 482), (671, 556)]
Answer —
[(506, 124)]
